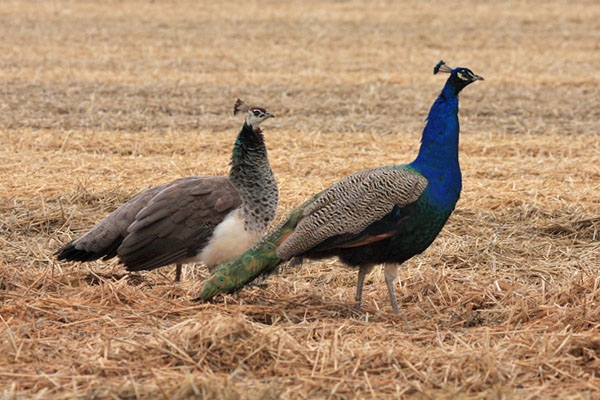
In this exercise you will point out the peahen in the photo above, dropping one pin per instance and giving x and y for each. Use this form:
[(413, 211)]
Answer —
[(382, 215), (207, 219)]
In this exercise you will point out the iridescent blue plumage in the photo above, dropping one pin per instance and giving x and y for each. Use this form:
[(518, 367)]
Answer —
[(382, 215)]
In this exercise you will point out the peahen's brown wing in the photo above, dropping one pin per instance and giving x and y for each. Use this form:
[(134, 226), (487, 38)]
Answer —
[(103, 240), (178, 222)]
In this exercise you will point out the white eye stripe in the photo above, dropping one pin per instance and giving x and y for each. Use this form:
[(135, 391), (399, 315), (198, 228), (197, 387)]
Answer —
[(257, 112), (465, 75)]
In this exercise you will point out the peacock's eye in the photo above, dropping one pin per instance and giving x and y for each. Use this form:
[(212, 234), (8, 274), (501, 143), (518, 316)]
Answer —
[(461, 76)]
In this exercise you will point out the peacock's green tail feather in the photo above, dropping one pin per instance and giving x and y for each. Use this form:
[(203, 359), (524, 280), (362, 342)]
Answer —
[(262, 257)]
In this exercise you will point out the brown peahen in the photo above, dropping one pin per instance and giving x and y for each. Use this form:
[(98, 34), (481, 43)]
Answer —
[(206, 219)]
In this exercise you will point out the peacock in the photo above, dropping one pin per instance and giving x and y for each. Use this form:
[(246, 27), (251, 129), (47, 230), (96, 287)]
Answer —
[(383, 215), (207, 219)]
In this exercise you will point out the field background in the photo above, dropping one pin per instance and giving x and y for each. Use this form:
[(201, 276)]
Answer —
[(99, 100)]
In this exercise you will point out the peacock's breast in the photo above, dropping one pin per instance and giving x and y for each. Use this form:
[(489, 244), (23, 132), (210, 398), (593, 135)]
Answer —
[(426, 221)]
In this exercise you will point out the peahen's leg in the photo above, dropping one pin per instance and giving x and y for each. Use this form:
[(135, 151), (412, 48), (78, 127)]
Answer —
[(363, 271), (391, 273), (295, 262), (178, 273)]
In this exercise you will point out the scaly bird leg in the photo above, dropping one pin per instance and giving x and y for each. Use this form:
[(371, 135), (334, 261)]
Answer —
[(391, 273), (363, 271), (178, 273)]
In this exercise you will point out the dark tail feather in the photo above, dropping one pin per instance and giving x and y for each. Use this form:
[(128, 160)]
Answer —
[(70, 253)]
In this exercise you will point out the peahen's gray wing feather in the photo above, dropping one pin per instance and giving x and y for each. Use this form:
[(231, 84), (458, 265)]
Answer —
[(351, 205), (177, 222), (106, 236)]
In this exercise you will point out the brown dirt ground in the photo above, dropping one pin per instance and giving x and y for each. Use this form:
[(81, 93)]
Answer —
[(99, 100)]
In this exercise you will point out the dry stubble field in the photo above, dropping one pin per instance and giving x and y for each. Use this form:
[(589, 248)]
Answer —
[(99, 101)]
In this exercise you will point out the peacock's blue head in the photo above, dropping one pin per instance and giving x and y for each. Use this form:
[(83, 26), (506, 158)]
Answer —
[(459, 78)]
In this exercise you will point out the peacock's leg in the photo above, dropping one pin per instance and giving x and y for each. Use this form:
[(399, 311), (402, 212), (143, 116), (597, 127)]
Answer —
[(363, 271), (178, 273), (391, 273)]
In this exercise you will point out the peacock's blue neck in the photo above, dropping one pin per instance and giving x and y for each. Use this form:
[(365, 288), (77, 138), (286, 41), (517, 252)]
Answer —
[(438, 156)]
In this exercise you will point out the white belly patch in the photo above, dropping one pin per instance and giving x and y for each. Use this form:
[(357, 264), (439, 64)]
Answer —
[(229, 240)]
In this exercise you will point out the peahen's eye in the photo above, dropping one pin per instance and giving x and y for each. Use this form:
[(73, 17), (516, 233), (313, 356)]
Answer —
[(256, 113)]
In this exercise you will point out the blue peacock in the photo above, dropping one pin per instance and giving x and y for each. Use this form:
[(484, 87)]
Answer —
[(383, 215)]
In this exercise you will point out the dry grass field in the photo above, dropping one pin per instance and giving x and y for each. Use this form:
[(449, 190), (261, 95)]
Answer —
[(99, 100)]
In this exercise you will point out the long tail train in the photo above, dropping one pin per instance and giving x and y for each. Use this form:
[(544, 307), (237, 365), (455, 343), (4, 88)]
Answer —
[(260, 259)]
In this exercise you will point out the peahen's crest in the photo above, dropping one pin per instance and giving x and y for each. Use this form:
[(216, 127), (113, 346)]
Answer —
[(255, 116)]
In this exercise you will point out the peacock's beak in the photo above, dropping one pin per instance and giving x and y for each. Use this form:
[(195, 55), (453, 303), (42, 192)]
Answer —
[(478, 78)]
